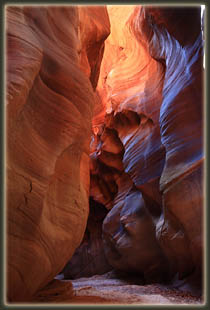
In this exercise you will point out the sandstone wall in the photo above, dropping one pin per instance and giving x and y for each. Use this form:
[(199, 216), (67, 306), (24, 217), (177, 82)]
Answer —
[(143, 92), (147, 157), (50, 99)]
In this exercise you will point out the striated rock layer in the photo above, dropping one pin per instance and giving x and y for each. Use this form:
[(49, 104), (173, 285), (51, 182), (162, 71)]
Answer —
[(50, 101), (147, 147), (142, 91)]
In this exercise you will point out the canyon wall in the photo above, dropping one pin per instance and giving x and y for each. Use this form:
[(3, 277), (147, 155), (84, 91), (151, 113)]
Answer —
[(119, 124), (53, 61), (147, 151)]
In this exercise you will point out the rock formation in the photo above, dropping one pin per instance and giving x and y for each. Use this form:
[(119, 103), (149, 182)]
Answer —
[(181, 125), (50, 102), (114, 118), (150, 135)]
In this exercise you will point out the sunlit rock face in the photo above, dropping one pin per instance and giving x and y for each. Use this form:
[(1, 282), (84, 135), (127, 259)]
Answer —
[(128, 159), (147, 151), (50, 99)]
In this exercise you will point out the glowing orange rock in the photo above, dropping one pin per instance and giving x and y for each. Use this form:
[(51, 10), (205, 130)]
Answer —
[(49, 110)]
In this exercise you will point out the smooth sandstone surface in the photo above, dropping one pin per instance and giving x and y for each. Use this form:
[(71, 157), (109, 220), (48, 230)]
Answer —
[(49, 110), (152, 98), (103, 103)]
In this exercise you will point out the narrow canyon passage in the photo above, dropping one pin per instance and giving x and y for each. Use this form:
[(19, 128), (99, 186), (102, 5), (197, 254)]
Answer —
[(105, 154)]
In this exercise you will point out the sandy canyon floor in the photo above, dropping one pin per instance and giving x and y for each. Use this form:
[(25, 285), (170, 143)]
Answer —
[(105, 289)]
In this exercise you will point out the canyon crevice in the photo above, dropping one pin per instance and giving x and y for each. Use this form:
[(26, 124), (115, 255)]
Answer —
[(105, 154)]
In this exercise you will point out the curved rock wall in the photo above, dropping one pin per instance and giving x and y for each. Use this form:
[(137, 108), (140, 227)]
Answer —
[(142, 91), (181, 127), (150, 174), (49, 110)]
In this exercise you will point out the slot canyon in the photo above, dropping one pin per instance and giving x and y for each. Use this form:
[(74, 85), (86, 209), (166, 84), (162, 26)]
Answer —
[(104, 154)]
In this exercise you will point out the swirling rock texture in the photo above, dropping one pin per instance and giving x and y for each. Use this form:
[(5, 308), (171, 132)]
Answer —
[(147, 148), (142, 91), (180, 230), (52, 71)]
